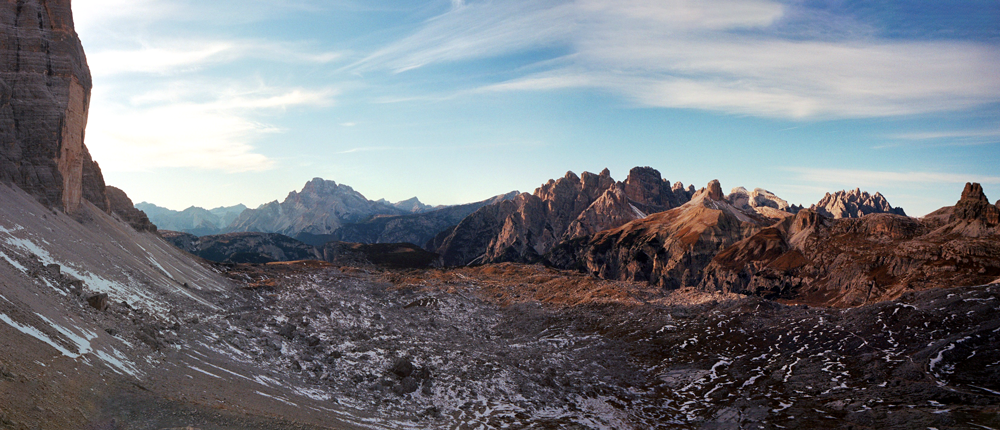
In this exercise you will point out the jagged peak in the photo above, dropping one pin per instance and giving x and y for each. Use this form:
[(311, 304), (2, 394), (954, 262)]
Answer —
[(974, 191), (854, 204), (714, 190)]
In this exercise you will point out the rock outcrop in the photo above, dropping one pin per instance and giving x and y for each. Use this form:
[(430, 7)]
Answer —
[(854, 204), (761, 201), (122, 207), (44, 100), (668, 249), (848, 262), (320, 208), (974, 206), (651, 193)]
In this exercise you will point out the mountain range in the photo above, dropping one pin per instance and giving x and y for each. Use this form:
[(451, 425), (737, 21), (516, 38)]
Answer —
[(589, 303)]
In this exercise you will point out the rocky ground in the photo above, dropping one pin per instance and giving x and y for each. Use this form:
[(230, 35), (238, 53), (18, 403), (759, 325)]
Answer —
[(465, 348)]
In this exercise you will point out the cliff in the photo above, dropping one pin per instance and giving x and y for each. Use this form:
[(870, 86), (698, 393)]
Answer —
[(44, 99)]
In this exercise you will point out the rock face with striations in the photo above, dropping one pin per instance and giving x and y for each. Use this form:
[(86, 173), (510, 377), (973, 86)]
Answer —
[(854, 204), (319, 209), (44, 100)]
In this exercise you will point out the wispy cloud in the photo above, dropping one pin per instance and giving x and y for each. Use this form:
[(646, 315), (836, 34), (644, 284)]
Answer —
[(952, 137), (732, 56), (853, 178), (178, 56)]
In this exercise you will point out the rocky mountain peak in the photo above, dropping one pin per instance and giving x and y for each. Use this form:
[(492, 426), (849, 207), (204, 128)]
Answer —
[(974, 192), (644, 185), (854, 204), (975, 206), (714, 190)]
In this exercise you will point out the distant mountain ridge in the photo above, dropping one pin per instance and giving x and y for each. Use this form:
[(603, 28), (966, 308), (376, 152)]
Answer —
[(194, 220)]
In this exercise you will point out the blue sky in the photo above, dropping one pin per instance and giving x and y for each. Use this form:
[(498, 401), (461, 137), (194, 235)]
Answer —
[(224, 102)]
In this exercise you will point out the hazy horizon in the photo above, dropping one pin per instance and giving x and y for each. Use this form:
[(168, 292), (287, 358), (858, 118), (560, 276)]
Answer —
[(217, 103)]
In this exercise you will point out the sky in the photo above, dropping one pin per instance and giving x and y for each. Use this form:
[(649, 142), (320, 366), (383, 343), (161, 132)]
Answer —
[(215, 103)]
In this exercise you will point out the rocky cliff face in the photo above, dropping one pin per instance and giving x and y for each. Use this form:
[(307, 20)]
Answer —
[(44, 99), (848, 262), (320, 208), (668, 249), (122, 207), (854, 204)]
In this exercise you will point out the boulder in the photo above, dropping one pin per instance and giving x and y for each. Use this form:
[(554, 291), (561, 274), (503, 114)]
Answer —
[(98, 301)]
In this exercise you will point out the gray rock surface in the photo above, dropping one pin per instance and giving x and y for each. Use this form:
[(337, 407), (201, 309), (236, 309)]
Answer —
[(44, 100)]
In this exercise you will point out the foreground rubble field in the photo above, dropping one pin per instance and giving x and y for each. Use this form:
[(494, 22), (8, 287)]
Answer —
[(500, 346)]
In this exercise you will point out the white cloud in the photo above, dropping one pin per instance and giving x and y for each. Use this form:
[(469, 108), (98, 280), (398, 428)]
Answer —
[(213, 132), (720, 55)]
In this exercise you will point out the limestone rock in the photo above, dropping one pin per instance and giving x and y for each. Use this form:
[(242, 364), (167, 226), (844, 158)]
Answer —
[(122, 207), (854, 204), (761, 201), (44, 100)]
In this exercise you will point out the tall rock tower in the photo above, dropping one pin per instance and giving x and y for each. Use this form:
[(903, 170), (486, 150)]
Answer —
[(44, 99)]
